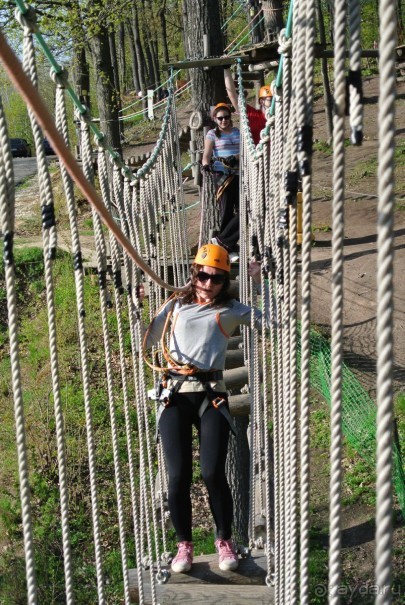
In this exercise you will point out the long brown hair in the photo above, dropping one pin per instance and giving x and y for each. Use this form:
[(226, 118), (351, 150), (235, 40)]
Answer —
[(189, 296)]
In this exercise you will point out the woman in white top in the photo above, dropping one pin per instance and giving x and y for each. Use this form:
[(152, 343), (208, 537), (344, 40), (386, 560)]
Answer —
[(221, 156)]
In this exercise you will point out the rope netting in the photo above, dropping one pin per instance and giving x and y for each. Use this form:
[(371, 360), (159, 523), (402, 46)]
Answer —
[(145, 244)]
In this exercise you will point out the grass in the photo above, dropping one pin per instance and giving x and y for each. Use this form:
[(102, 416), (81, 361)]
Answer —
[(365, 169), (399, 414), (323, 147), (321, 228), (38, 400), (26, 182)]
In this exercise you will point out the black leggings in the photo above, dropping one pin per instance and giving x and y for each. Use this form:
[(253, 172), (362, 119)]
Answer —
[(175, 428), (228, 235)]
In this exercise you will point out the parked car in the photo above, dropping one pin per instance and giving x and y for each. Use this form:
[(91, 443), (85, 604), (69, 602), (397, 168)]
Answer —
[(20, 148), (48, 148)]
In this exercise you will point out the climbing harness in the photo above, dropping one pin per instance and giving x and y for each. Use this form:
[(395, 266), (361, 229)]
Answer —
[(219, 402)]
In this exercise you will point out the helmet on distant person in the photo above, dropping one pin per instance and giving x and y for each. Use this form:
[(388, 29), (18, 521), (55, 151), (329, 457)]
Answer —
[(265, 91), (212, 255)]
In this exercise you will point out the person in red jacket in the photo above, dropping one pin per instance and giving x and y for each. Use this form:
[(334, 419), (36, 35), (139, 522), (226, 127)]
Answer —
[(257, 117)]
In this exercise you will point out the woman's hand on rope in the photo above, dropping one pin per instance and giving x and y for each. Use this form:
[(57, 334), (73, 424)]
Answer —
[(206, 168)]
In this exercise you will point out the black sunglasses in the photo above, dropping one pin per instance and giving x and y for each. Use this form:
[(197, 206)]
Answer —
[(217, 278), (223, 118)]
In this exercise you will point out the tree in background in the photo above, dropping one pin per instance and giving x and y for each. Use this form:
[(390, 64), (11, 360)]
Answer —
[(273, 18), (202, 22)]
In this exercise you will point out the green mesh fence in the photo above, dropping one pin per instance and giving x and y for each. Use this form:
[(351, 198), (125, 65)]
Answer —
[(359, 411)]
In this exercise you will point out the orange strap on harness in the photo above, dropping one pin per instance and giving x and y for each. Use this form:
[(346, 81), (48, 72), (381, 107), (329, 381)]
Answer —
[(218, 401), (174, 364)]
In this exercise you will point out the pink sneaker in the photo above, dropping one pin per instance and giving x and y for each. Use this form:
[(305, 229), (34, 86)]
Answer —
[(184, 558), (228, 558)]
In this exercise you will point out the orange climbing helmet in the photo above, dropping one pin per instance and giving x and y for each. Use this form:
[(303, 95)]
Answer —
[(265, 91), (212, 255), (217, 107)]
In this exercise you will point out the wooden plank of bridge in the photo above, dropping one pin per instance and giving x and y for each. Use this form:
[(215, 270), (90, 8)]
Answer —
[(207, 584)]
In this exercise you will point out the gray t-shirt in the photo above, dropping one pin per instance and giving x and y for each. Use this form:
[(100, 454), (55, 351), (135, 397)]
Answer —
[(199, 333)]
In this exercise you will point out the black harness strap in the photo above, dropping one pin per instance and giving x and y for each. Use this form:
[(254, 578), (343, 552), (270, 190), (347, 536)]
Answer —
[(211, 398)]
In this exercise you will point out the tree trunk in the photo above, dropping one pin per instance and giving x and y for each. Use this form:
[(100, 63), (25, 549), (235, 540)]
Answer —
[(134, 60), (114, 65), (121, 57), (400, 23), (162, 17), (81, 76), (155, 61), (108, 103), (325, 76), (273, 19), (255, 24), (208, 84), (140, 59), (150, 81), (331, 15)]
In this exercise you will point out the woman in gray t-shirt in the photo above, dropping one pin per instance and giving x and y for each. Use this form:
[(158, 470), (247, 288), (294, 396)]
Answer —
[(199, 322)]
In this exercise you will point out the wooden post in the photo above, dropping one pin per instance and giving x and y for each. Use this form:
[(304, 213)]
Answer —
[(150, 105)]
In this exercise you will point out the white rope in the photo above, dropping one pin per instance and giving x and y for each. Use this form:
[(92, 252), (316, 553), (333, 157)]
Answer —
[(386, 207), (276, 166), (300, 20), (335, 512), (290, 362), (49, 241), (179, 192), (101, 252), (7, 228), (81, 314)]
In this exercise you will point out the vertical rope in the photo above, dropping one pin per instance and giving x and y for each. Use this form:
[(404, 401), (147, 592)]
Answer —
[(7, 229), (290, 272), (337, 302), (386, 206), (49, 241), (102, 265), (304, 123)]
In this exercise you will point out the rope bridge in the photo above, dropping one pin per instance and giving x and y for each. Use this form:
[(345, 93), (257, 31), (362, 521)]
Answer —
[(124, 553)]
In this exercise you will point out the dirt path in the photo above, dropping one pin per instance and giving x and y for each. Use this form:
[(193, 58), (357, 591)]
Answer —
[(360, 245)]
